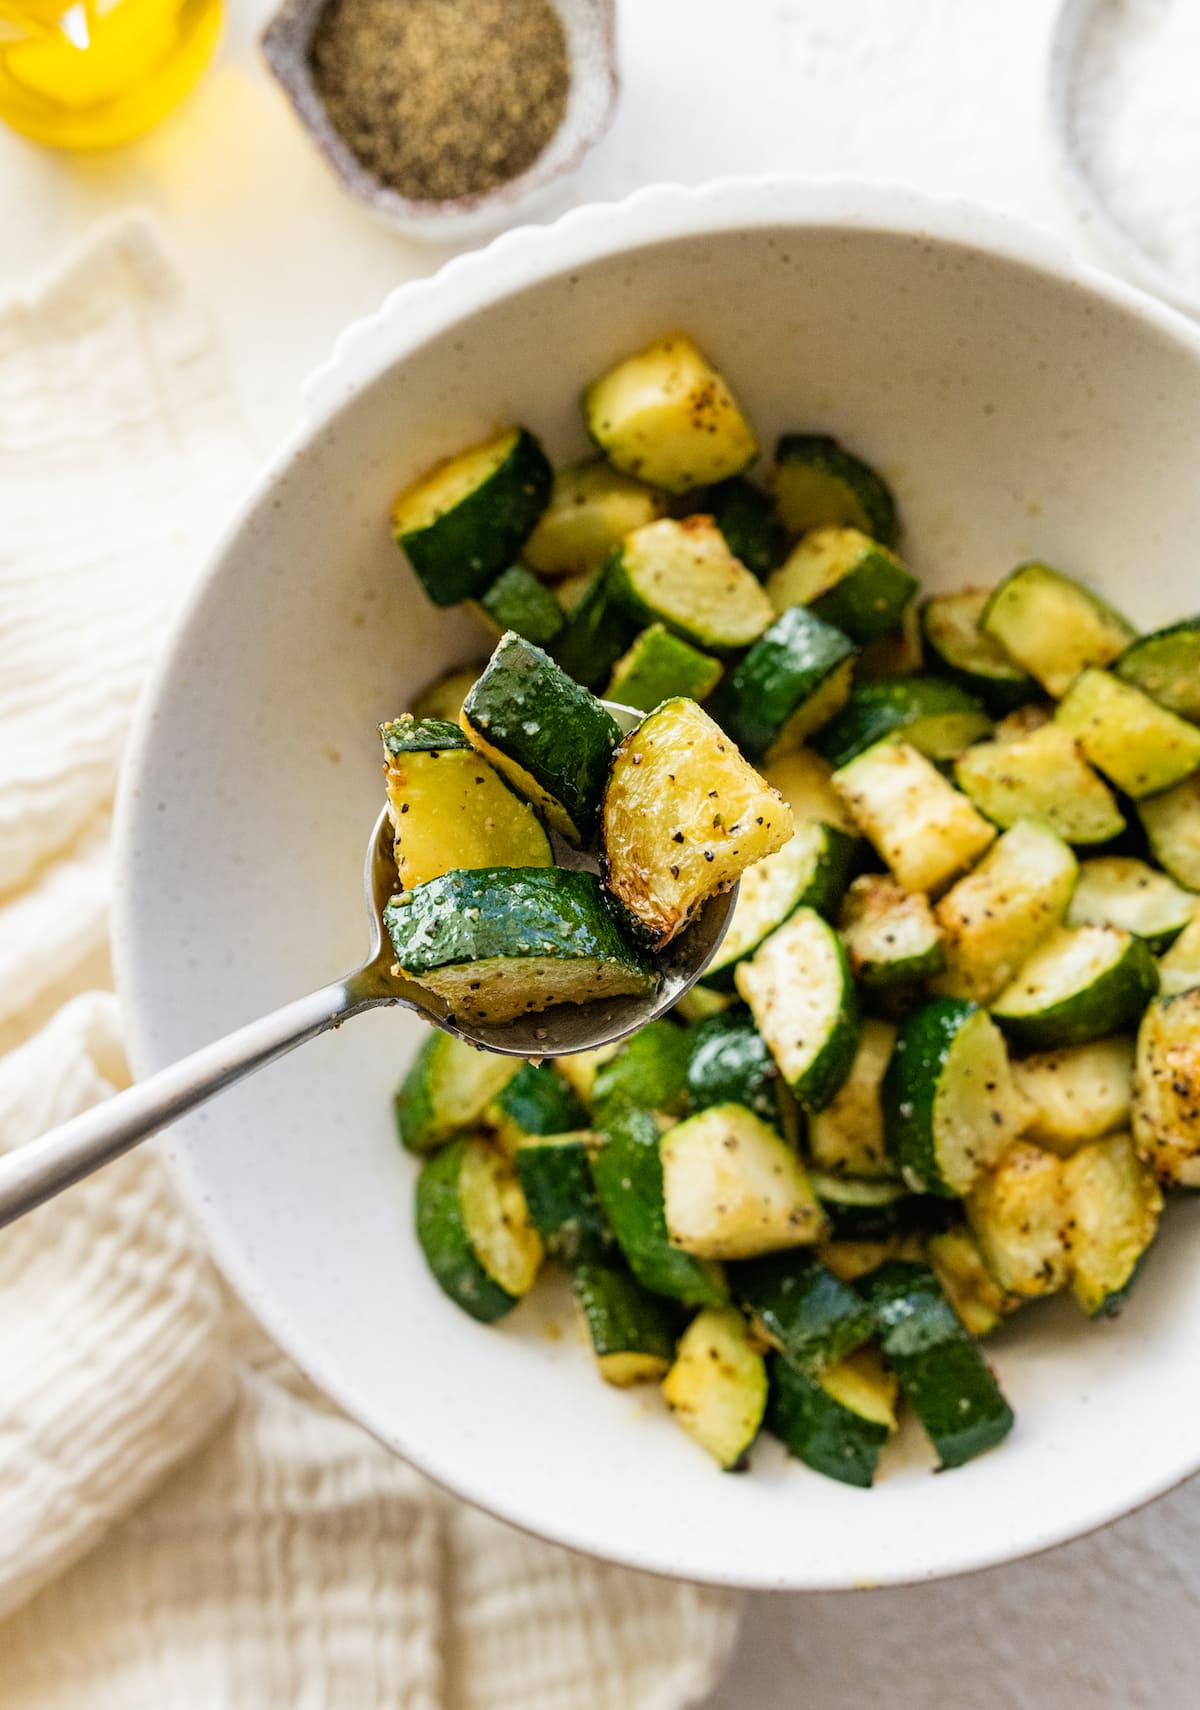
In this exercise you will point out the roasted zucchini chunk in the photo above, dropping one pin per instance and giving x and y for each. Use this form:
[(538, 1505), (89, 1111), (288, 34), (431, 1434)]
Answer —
[(509, 941), (1041, 776), (1079, 984), (836, 1423), (717, 1388), (592, 508), (1121, 891), (549, 737), (555, 1174), (847, 1138), (467, 518), (938, 719), (447, 1088), (516, 600), (1077, 1094), (747, 517), (1139, 746), (729, 1063), (890, 934), (971, 657), (958, 1264), (1172, 826), (789, 684), (803, 779), (733, 1188), (474, 1229), (1166, 1089), (1020, 1213), (596, 632), (1179, 969), (810, 871), (667, 416), (648, 1070), (925, 830), (1166, 666), (848, 580), (1052, 626), (995, 918), (683, 575), (657, 667), (800, 992), (684, 816), (802, 1309), (629, 1330), (535, 1101), (819, 484), (449, 808), (1115, 1206)]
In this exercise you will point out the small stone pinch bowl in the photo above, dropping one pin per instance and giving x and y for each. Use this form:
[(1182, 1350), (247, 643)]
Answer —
[(591, 52)]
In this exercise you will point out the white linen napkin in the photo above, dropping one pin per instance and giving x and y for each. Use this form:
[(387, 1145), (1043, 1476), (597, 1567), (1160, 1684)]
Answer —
[(183, 1520)]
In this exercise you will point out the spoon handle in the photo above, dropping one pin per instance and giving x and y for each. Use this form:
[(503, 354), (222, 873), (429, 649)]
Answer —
[(37, 1171)]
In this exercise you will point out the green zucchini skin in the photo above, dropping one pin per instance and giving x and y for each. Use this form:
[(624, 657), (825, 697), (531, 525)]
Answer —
[(531, 711), (432, 1104), (942, 1374), (821, 886), (537, 1101), (1166, 666), (729, 1062), (442, 1234), (650, 1070), (627, 1171), (556, 1178), (747, 517), (594, 636), (803, 1310), (517, 912), (785, 668), (838, 488), (937, 718), (516, 600), (1112, 1002), (461, 551), (658, 667), (968, 657), (820, 1431), (877, 1210), (420, 736), (621, 1317)]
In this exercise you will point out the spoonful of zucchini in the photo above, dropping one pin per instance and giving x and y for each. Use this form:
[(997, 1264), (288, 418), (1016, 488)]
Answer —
[(535, 885)]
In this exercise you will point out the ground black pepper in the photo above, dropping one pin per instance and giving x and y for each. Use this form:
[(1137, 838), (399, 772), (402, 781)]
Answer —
[(442, 98)]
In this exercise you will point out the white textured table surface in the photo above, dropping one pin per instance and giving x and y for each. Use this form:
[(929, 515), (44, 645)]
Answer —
[(945, 94)]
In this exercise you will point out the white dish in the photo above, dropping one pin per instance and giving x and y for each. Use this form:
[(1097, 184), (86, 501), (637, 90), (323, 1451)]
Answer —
[(1021, 405)]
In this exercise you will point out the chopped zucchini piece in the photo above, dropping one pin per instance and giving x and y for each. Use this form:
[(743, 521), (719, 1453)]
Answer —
[(474, 1229), (570, 591), (1139, 746), (516, 600), (684, 816), (810, 871), (969, 656), (682, 574), (550, 738), (800, 1308), (534, 1101), (802, 997), (443, 698), (1179, 969), (509, 941), (629, 1330), (818, 484), (1023, 721), (803, 780), (936, 718), (733, 1188), (595, 635), (1166, 1089), (467, 518), (449, 808), (1020, 1214), (995, 918), (580, 1068), (898, 655), (447, 1088), (865, 1210), (649, 1070), (950, 1104), (1115, 1206), (920, 824), (1117, 890), (942, 1374), (847, 1137), (555, 1174), (1053, 626), (890, 934), (788, 685), (1172, 825), (957, 1263), (592, 507), (836, 1424), (628, 1173), (747, 517), (1166, 666), (1080, 984), (667, 416), (729, 1063), (717, 1388), (659, 666), (848, 580), (1043, 777), (1077, 1094)]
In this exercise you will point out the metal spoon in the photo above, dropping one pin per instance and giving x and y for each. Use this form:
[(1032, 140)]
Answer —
[(44, 1167)]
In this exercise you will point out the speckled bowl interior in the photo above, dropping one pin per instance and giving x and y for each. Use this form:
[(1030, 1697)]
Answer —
[(1020, 406)]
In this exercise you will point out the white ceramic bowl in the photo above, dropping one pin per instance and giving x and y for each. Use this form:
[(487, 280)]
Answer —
[(1020, 405)]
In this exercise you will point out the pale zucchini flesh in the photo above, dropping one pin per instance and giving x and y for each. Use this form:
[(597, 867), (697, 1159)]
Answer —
[(809, 869), (1079, 984), (1040, 776), (1020, 1214), (848, 579), (1179, 969), (1077, 1094), (847, 1137), (803, 780), (956, 1261), (925, 829), (682, 574), (1121, 891), (1172, 825), (994, 918), (1166, 1092), (1115, 1206), (1141, 747), (1053, 626), (496, 1219), (800, 992), (890, 934), (733, 1188), (592, 508), (717, 1387)]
